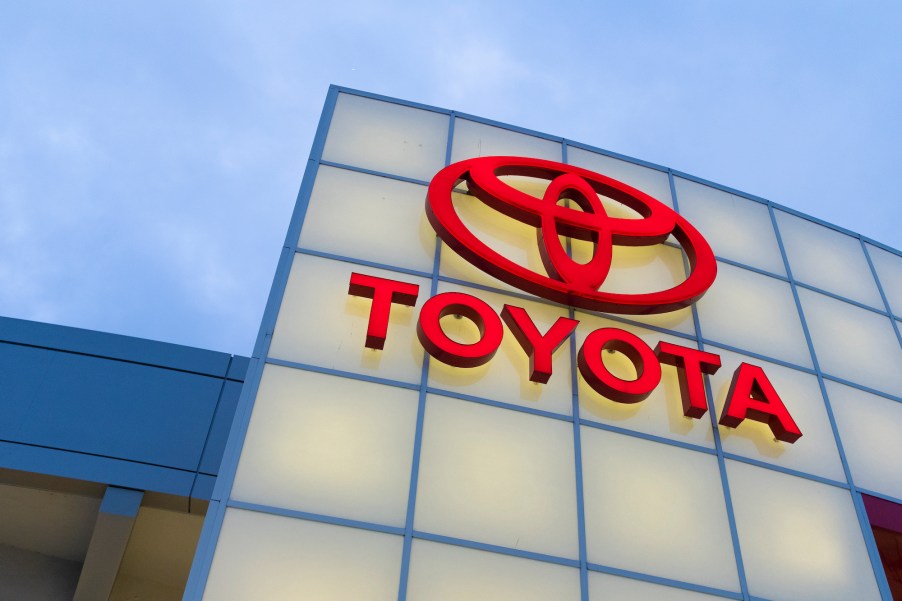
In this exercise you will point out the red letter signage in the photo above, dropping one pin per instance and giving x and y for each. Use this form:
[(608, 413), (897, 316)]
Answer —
[(384, 292), (691, 364), (538, 348), (578, 284), (440, 346), (593, 369), (752, 396)]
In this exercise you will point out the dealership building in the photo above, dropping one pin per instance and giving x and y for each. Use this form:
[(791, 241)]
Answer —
[(494, 364)]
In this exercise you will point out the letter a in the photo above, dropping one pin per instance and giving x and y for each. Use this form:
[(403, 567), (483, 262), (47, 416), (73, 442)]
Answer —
[(752, 396)]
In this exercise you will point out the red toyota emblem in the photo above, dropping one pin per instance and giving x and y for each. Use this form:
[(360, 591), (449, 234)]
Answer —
[(568, 282)]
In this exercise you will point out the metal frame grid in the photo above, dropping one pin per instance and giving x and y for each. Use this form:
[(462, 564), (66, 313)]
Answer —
[(221, 494)]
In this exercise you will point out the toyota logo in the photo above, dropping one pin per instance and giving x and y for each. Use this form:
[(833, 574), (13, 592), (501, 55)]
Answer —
[(568, 281)]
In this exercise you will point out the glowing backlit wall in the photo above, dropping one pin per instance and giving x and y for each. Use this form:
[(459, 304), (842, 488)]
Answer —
[(360, 474)]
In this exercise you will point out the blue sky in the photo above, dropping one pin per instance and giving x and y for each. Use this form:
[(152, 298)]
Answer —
[(150, 153)]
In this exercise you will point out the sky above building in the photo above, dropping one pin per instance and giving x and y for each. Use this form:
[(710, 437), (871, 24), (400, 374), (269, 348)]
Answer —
[(150, 153)]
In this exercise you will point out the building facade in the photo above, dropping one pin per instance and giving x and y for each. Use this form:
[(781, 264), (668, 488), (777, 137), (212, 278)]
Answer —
[(559, 373), (383, 469)]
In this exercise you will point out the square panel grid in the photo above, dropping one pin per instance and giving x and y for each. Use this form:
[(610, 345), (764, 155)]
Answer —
[(553, 502)]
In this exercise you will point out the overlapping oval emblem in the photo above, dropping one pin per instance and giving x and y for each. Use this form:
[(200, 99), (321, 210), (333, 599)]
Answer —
[(568, 281)]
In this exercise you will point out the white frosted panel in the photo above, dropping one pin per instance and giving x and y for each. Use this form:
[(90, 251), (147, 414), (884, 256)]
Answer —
[(638, 269), (678, 321), (448, 573), (869, 428), (262, 556), (889, 270), (454, 266), (473, 139), (853, 343), (604, 587), (319, 323), (508, 237), (799, 539), (656, 509), (369, 217), (753, 312), (823, 257), (661, 413), (387, 137), (736, 228), (651, 181), (497, 476), (814, 453), (644, 269), (329, 445), (506, 376)]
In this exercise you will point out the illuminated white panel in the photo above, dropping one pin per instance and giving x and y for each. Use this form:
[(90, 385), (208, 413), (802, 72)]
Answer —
[(387, 137), (261, 556), (651, 181), (799, 539), (506, 376), (814, 453), (661, 413), (656, 509), (603, 587), (828, 259), (329, 445), (638, 269), (736, 228), (889, 270), (444, 573), (321, 324), (753, 312), (508, 237), (497, 476), (644, 269), (678, 321), (869, 428), (853, 343), (472, 139), (369, 217)]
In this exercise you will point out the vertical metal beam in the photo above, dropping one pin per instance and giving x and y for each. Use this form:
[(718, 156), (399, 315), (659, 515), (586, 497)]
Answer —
[(718, 444), (421, 410), (115, 519), (577, 441), (857, 503)]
